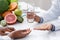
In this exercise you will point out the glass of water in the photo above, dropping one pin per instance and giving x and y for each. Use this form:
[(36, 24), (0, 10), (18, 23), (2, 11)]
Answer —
[(30, 16), (31, 12)]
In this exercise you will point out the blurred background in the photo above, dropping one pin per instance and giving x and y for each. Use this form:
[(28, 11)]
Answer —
[(43, 4)]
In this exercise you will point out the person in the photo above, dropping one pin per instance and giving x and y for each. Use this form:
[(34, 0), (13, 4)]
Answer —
[(9, 33), (52, 14)]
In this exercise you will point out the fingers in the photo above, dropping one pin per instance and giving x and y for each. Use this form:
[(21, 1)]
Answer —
[(9, 29), (2, 32), (19, 33), (44, 27), (36, 18), (40, 29), (27, 31)]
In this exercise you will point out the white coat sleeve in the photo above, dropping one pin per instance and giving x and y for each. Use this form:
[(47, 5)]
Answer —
[(52, 13), (56, 25)]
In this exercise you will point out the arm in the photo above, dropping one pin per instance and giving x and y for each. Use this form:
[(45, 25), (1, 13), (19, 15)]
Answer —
[(56, 25), (52, 26), (52, 13)]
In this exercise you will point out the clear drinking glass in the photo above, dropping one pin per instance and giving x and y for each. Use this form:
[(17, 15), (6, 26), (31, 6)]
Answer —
[(30, 11), (30, 16)]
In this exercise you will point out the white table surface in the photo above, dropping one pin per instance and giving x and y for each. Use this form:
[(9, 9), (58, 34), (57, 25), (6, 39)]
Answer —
[(35, 34)]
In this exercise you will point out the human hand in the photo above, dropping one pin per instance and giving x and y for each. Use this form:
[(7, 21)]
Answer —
[(37, 18), (3, 30), (19, 33), (9, 29), (44, 27)]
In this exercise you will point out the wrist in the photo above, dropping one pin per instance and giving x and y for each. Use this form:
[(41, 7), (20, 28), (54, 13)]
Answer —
[(41, 20), (53, 28)]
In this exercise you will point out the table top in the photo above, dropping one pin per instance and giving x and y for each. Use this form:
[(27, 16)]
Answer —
[(36, 34)]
